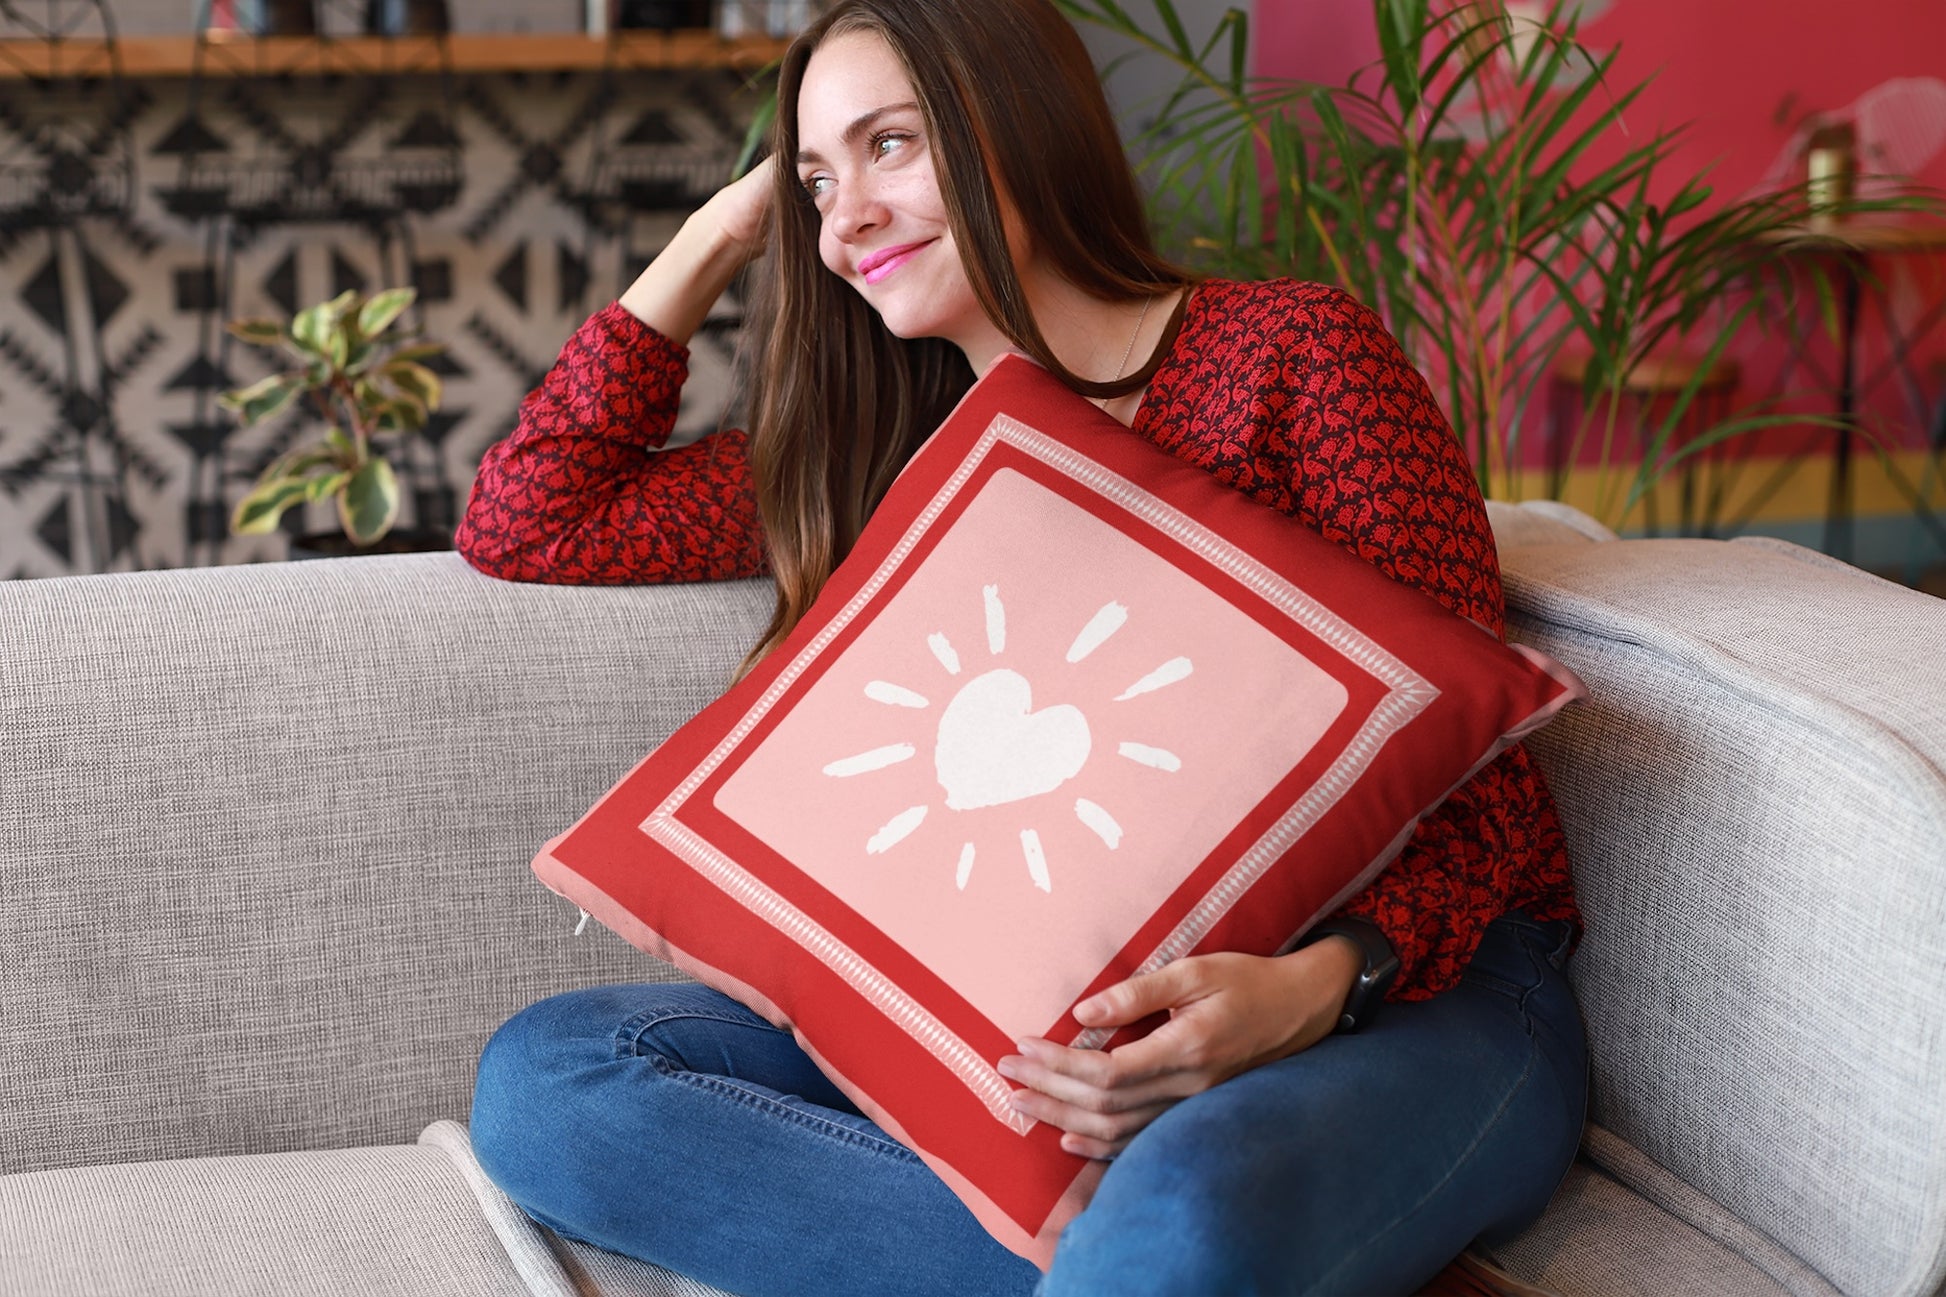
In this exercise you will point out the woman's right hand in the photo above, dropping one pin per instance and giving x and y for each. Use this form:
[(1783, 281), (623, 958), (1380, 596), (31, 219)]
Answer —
[(675, 293), (741, 209)]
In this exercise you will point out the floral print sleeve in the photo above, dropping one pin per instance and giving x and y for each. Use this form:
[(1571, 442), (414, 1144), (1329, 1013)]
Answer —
[(1298, 396), (582, 494)]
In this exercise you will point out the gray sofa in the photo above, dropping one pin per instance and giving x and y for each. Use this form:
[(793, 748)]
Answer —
[(264, 835)]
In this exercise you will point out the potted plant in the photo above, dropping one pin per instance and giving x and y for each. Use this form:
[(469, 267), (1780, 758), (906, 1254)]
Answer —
[(1475, 187), (365, 382)]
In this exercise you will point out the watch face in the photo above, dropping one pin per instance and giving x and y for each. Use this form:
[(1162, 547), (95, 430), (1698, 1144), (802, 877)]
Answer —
[(1374, 980)]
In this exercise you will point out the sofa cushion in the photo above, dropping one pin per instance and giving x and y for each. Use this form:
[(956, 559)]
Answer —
[(266, 832), (1542, 522), (1755, 800), (396, 1219), (1597, 1239), (876, 840)]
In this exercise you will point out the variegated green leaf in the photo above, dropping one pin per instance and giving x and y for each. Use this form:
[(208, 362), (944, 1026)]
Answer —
[(337, 343), (418, 351), (311, 329), (299, 463), (405, 414), (325, 486), (259, 511), (416, 381), (262, 399), (379, 313), (370, 503), (257, 332)]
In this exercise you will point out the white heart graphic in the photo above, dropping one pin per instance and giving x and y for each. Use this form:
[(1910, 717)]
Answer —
[(993, 750)]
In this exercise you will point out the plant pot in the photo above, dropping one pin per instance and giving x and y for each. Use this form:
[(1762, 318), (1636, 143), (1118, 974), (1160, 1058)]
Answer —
[(407, 18), (400, 540)]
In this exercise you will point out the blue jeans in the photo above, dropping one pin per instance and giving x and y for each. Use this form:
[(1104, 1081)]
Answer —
[(668, 1122)]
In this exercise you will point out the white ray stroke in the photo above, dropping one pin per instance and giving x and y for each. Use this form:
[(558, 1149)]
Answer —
[(1100, 821), (1110, 619), (880, 691), (896, 830), (996, 619), (1159, 758), (965, 870), (876, 759), (1030, 846), (1167, 674), (942, 649)]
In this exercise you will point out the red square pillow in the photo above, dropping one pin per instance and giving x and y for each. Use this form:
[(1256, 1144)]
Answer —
[(1070, 710)]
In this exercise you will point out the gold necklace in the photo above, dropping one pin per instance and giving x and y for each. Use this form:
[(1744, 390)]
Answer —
[(1122, 369)]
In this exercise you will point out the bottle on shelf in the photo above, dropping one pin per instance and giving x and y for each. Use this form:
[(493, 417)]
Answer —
[(1830, 164)]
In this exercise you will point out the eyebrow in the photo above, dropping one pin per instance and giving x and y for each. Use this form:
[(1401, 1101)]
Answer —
[(851, 133)]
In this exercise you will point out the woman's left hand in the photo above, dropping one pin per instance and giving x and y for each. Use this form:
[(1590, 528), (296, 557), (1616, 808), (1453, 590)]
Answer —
[(1228, 1013)]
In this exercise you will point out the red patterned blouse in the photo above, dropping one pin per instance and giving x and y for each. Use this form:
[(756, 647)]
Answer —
[(1292, 393)]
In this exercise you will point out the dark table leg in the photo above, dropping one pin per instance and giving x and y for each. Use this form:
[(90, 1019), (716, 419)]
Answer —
[(1837, 516)]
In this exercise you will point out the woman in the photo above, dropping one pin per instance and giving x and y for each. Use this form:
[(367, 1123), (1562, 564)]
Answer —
[(947, 186)]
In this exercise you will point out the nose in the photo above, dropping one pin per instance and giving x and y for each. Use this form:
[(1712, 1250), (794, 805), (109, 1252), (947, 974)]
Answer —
[(857, 209)]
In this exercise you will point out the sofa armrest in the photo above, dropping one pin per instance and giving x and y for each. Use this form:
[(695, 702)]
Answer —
[(1755, 801), (265, 834)]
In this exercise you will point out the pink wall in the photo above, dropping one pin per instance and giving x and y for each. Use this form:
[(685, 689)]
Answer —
[(1731, 68), (1746, 75), (1312, 42)]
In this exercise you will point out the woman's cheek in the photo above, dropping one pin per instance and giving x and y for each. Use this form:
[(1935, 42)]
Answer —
[(832, 253)]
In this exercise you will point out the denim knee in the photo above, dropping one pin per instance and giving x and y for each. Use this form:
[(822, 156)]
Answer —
[(524, 1116), (1169, 1217)]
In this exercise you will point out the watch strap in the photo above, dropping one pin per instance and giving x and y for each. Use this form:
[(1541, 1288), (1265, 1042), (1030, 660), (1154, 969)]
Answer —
[(1374, 979)]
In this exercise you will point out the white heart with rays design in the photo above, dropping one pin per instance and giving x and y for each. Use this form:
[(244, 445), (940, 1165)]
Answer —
[(993, 749)]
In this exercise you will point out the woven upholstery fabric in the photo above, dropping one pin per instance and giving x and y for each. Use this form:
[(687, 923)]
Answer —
[(372, 1221), (598, 1273), (1599, 1240), (1542, 522), (265, 833), (527, 1244), (1615, 1158), (1756, 809)]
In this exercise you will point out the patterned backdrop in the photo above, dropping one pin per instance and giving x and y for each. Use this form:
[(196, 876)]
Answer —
[(134, 219)]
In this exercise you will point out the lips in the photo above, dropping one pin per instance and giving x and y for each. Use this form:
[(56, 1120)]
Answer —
[(883, 262)]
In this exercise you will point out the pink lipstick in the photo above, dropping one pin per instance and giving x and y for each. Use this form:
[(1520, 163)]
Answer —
[(886, 260)]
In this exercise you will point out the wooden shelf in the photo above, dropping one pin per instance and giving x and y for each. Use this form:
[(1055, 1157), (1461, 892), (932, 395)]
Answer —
[(305, 56)]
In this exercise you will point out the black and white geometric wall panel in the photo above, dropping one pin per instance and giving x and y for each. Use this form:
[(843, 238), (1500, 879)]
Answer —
[(517, 204)]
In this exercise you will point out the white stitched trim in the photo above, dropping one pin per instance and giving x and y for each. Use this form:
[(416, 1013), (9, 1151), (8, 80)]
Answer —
[(938, 1039)]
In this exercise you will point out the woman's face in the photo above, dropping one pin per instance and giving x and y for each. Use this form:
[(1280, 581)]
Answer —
[(864, 158)]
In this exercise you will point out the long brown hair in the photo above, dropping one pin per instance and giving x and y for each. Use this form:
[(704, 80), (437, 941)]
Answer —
[(1007, 93)]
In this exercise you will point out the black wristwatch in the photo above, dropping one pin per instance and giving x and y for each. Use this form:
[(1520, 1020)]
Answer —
[(1381, 966)]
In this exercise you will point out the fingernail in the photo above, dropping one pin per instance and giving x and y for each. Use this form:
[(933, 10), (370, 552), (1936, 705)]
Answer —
[(1006, 1068)]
